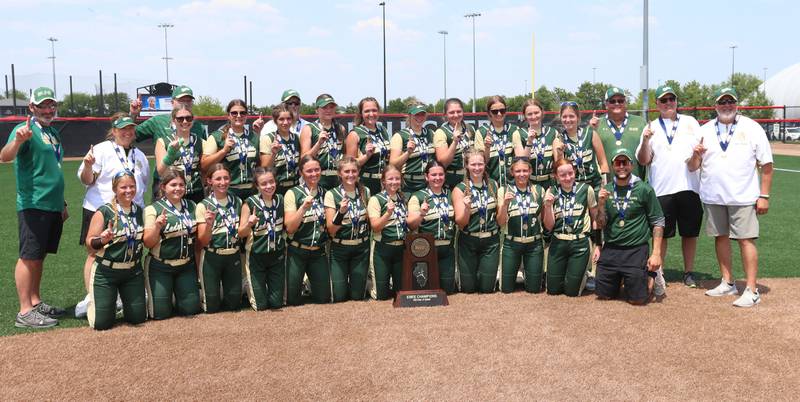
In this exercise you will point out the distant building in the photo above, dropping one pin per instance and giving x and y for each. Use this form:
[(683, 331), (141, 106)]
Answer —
[(7, 107)]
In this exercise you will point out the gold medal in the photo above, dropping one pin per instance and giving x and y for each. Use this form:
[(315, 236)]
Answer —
[(724, 155), (482, 221), (621, 223), (525, 227), (619, 142), (271, 245)]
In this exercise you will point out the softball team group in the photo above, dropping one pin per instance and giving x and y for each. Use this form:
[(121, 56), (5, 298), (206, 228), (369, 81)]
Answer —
[(263, 209)]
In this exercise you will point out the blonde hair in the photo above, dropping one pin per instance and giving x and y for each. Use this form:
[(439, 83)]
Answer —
[(349, 160), (469, 154), (114, 117), (114, 184)]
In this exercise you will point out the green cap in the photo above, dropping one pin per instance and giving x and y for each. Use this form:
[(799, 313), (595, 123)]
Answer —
[(289, 94), (181, 91), (725, 91), (416, 109), (42, 94), (614, 91), (622, 152), (663, 90), (123, 122), (324, 100)]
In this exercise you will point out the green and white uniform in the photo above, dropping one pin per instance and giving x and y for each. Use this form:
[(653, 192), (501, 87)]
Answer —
[(501, 154), (627, 136), (285, 162), (541, 155), (523, 238), (37, 169), (220, 261), (265, 254), (579, 151), (443, 138), (350, 245), (568, 256), (414, 168), (372, 169), (478, 242), (170, 270), (330, 152), (240, 161), (117, 270), (632, 212), (388, 246), (440, 222), (306, 253), (187, 160)]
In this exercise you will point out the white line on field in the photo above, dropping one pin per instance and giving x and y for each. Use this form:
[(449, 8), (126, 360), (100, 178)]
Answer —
[(787, 170)]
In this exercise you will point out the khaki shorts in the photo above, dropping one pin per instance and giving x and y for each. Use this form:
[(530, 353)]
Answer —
[(735, 221)]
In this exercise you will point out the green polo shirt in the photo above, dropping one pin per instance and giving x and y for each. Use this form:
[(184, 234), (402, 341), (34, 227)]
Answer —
[(37, 168), (629, 139), (642, 213)]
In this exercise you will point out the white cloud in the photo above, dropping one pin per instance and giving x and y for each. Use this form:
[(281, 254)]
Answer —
[(317, 32)]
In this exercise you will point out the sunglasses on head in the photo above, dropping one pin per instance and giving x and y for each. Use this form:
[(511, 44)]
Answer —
[(498, 111), (616, 101), (237, 113), (667, 99), (184, 119), (569, 103), (727, 101)]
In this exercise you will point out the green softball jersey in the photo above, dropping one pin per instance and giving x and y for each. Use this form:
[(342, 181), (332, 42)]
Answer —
[(571, 209), (128, 227), (285, 162), (330, 152), (380, 157), (356, 215), (502, 152), (188, 161), (483, 206), (632, 211), (579, 151), (443, 138), (268, 233), (541, 153), (312, 231), (178, 235), (440, 219), (224, 232), (160, 126), (627, 136), (397, 228), (242, 158), (523, 210), (37, 168), (423, 152)]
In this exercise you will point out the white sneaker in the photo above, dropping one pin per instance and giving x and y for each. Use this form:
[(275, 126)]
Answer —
[(119, 305), (723, 289), (81, 307), (748, 298), (659, 284)]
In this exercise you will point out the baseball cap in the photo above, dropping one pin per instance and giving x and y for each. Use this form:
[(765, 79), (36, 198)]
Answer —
[(664, 90), (322, 100), (614, 91), (622, 152), (123, 122), (416, 108), (289, 94), (181, 91), (725, 91), (42, 94)]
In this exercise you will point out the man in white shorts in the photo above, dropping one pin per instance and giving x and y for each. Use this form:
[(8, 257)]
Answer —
[(733, 149)]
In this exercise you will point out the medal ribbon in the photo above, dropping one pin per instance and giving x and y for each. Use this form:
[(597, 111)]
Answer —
[(576, 148), (289, 152), (130, 228), (242, 147), (128, 162), (622, 206), (270, 214), (567, 203), (670, 134), (228, 215), (400, 214), (728, 136), (613, 127), (483, 199), (523, 198), (353, 211)]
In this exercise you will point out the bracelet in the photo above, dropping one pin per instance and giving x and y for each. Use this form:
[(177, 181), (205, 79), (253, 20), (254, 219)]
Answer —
[(764, 196), (337, 220)]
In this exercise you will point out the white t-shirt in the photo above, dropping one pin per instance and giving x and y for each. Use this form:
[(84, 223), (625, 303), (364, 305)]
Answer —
[(107, 164), (731, 177), (270, 127), (668, 173)]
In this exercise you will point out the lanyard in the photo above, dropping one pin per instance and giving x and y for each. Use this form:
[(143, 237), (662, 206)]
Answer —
[(729, 135), (399, 214), (377, 138), (242, 147), (617, 131), (567, 201), (130, 228), (51, 139), (483, 199), (229, 217), (422, 143), (670, 134), (353, 210), (622, 205), (289, 151), (187, 156), (576, 148), (523, 199), (183, 215), (500, 139), (539, 145), (332, 144), (128, 162), (316, 208), (463, 141), (270, 215)]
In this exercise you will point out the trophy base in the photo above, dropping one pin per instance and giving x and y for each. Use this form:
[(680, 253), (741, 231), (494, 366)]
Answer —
[(421, 298)]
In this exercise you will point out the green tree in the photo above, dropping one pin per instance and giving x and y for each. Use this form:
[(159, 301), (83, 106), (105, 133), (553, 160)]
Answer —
[(395, 106), (590, 96), (19, 95), (207, 106)]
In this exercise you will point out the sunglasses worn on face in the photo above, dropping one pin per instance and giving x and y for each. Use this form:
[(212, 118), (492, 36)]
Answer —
[(292, 103), (726, 102), (237, 113), (184, 119), (498, 111), (616, 101), (48, 106), (621, 162), (668, 99)]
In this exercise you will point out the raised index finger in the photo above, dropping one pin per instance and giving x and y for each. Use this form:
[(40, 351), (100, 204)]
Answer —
[(28, 122)]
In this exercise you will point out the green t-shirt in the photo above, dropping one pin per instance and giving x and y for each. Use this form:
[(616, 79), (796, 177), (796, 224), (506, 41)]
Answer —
[(630, 133), (37, 169), (178, 235), (268, 234), (241, 159), (443, 137), (224, 232), (397, 227), (483, 206), (380, 157), (312, 231), (330, 152), (440, 219), (642, 212), (128, 230), (531, 199), (501, 154), (580, 152), (571, 209), (356, 216), (423, 152), (160, 126), (541, 154)]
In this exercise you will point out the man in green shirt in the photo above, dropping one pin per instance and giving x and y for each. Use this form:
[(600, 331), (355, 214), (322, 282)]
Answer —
[(631, 214), (35, 148), (618, 129)]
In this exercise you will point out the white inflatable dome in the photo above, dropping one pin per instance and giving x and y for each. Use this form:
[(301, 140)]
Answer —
[(784, 89)]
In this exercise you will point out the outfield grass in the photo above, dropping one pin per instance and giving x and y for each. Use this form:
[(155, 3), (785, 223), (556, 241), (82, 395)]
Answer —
[(62, 284)]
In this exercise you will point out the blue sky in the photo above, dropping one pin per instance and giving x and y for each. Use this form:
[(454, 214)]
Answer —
[(335, 46)]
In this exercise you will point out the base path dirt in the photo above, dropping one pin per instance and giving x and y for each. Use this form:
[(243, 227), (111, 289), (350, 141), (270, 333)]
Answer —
[(782, 148), (481, 347)]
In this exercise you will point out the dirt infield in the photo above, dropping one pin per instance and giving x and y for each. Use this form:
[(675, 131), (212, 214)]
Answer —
[(781, 148), (481, 347)]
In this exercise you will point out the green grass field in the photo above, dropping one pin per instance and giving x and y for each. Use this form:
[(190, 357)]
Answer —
[(62, 284)]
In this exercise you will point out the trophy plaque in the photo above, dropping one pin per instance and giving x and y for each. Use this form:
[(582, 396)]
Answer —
[(419, 285)]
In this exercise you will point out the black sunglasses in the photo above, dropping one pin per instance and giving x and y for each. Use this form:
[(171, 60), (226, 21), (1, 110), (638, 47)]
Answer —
[(292, 103), (726, 102), (185, 119), (616, 101), (667, 99), (237, 113), (498, 111)]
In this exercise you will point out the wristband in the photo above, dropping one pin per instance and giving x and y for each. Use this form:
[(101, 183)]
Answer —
[(764, 196), (96, 243), (337, 220)]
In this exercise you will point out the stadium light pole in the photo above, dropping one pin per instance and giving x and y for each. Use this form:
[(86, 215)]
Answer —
[(474, 91), (444, 53), (645, 79), (383, 7), (166, 47), (53, 59), (733, 59)]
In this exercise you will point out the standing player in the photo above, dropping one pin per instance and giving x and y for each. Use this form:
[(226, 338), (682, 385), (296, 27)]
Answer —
[(499, 141), (412, 148), (236, 147), (451, 140), (618, 129), (540, 143), (324, 140), (582, 147), (369, 144), (281, 149), (181, 151)]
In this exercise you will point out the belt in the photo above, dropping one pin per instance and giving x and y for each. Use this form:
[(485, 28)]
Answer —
[(540, 178), (329, 173), (524, 239), (115, 265), (303, 246), (568, 236), (371, 175), (481, 235), (442, 242), (415, 177), (393, 243), (242, 186), (348, 242), (288, 183), (176, 262), (223, 251), (458, 171)]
